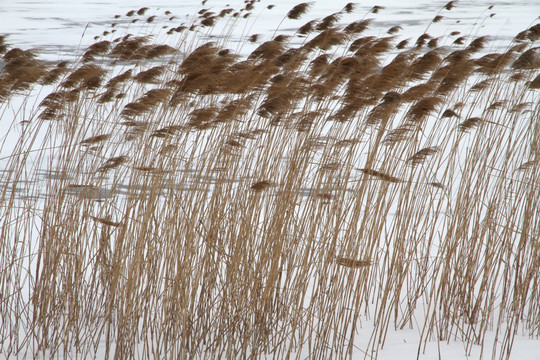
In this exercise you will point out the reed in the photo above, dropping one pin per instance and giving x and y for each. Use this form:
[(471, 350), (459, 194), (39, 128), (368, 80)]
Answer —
[(193, 201)]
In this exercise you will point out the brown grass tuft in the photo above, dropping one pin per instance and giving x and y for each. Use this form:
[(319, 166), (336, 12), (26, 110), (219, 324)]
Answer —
[(135, 108), (450, 5), (328, 22), (107, 96), (469, 124), (532, 34), (453, 76), (478, 44), (376, 9), (235, 109), (113, 163), (458, 57), (107, 221), (17, 53), (423, 65), (319, 65), (50, 114), (518, 77), (520, 108), (349, 8), (352, 263), (150, 76), (307, 28), (486, 59), (346, 143), (155, 51), (96, 49), (420, 156), (234, 143), (23, 71), (209, 21), (402, 44), (423, 108), (127, 47), (460, 40), (53, 75), (167, 131), (529, 60), (281, 38), (527, 165), (260, 186), (482, 85), (326, 39), (498, 63), (142, 10), (291, 59), (95, 139), (267, 50), (496, 105), (449, 113), (146, 102), (155, 96), (388, 106), (306, 121), (363, 43), (394, 29), (88, 75), (381, 45), (275, 105), (381, 175), (203, 118), (346, 112), (438, 185), (535, 83), (357, 26), (119, 79), (401, 133), (422, 40), (433, 43), (297, 11), (58, 98)]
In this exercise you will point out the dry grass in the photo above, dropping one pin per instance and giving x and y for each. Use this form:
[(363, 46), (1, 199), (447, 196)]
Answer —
[(191, 202)]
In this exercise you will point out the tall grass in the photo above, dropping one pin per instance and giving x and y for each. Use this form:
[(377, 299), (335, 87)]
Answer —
[(190, 202)]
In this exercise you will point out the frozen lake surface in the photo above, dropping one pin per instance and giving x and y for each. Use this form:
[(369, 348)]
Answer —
[(55, 27)]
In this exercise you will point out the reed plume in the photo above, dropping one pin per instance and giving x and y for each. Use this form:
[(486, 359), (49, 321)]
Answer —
[(298, 10), (380, 175), (262, 185), (352, 263), (421, 155)]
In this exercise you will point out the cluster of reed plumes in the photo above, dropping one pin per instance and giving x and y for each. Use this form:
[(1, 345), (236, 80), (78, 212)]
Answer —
[(189, 202)]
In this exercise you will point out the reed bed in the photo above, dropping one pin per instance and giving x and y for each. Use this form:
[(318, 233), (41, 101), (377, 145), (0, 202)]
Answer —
[(198, 201)]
